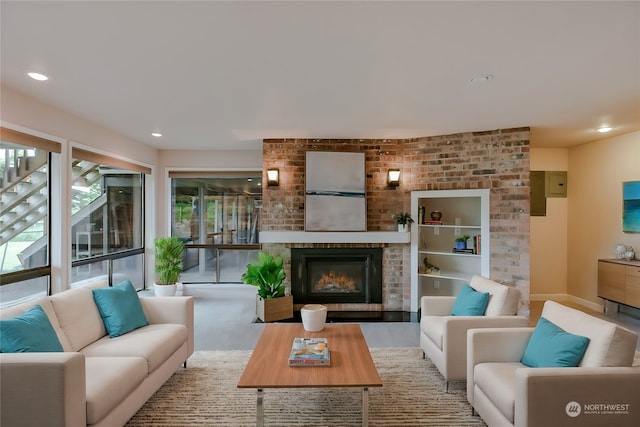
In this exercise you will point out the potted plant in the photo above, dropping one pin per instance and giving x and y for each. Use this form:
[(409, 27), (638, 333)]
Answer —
[(268, 275), (168, 265), (461, 242), (403, 219)]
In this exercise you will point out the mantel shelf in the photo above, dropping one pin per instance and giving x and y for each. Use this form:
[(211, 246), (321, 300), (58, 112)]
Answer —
[(334, 237)]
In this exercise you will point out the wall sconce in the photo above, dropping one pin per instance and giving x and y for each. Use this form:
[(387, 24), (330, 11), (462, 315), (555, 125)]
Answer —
[(393, 179), (273, 179)]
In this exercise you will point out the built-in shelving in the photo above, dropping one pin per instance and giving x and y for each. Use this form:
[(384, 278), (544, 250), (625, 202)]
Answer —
[(463, 212)]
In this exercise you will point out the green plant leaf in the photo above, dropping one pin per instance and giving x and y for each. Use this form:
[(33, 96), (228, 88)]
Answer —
[(168, 259), (267, 274)]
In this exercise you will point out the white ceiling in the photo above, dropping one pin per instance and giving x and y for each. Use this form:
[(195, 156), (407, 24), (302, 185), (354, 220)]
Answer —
[(228, 74)]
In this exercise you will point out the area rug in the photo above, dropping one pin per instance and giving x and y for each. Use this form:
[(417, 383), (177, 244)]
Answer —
[(205, 394)]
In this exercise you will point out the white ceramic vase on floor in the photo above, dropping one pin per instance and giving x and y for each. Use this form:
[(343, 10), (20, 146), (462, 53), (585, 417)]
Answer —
[(314, 316)]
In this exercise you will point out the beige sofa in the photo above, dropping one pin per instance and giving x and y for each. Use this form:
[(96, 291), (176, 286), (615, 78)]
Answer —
[(97, 380), (443, 338), (601, 391)]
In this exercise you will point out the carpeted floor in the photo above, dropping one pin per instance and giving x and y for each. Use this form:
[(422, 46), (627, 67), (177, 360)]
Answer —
[(205, 394)]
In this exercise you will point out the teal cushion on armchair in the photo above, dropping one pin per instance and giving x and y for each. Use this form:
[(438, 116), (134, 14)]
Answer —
[(550, 346), (470, 302)]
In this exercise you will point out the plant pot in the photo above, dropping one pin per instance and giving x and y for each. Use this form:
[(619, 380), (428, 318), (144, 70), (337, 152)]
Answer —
[(461, 245), (314, 316), (403, 228), (271, 310), (164, 290)]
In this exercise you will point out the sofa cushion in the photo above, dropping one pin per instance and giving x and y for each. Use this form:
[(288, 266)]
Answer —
[(109, 381), (120, 308), (503, 300), (609, 345), (470, 302), (154, 342), (29, 332), (47, 307), (79, 317), (498, 382), (551, 347), (433, 327)]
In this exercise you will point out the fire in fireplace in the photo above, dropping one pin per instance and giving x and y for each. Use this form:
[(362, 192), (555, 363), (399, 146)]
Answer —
[(336, 275)]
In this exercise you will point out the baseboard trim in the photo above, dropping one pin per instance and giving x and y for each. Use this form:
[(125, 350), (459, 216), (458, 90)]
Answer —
[(586, 303), (566, 297), (552, 297)]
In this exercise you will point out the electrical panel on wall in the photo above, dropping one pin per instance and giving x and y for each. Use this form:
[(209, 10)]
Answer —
[(555, 184)]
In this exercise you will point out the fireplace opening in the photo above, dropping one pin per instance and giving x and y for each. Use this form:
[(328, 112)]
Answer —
[(336, 275)]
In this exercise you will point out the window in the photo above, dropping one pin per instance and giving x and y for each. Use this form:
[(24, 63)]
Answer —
[(107, 223), (218, 217), (25, 218)]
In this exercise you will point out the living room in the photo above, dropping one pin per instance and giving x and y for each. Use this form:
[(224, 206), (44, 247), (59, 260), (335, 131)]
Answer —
[(554, 256)]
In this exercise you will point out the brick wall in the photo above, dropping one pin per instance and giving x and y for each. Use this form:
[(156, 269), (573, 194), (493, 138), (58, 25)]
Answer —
[(498, 160)]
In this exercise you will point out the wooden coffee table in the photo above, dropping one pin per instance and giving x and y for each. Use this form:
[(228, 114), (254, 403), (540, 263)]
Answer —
[(351, 363)]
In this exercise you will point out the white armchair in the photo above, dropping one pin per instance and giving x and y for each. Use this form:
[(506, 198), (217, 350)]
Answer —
[(443, 337), (602, 390)]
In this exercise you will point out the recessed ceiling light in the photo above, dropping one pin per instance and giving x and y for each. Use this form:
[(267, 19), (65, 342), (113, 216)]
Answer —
[(38, 76), (480, 78), (604, 129), (156, 134)]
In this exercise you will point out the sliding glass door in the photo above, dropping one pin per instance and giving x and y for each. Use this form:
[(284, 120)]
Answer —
[(218, 218)]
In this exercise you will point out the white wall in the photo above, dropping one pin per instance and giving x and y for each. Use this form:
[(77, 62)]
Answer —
[(23, 110)]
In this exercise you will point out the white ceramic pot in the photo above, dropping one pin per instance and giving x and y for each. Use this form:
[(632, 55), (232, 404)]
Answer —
[(164, 290), (314, 316), (403, 228)]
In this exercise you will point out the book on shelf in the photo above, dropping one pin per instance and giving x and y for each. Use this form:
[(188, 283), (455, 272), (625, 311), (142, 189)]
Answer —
[(310, 352), (476, 243), (463, 251), (432, 222)]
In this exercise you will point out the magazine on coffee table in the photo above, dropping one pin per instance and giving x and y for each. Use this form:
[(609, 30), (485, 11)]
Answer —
[(310, 352)]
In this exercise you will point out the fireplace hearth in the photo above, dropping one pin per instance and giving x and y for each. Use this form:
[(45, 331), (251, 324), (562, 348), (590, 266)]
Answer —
[(336, 275)]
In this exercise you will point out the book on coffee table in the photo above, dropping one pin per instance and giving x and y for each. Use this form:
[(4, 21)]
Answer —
[(310, 352)]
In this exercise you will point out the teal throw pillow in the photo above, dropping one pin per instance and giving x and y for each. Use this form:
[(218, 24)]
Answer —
[(470, 302), (550, 347), (120, 308), (29, 332)]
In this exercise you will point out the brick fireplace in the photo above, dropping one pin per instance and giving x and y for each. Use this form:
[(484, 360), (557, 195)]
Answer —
[(497, 160)]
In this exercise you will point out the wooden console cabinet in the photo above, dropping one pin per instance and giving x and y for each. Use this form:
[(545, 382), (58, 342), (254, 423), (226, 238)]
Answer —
[(619, 281)]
